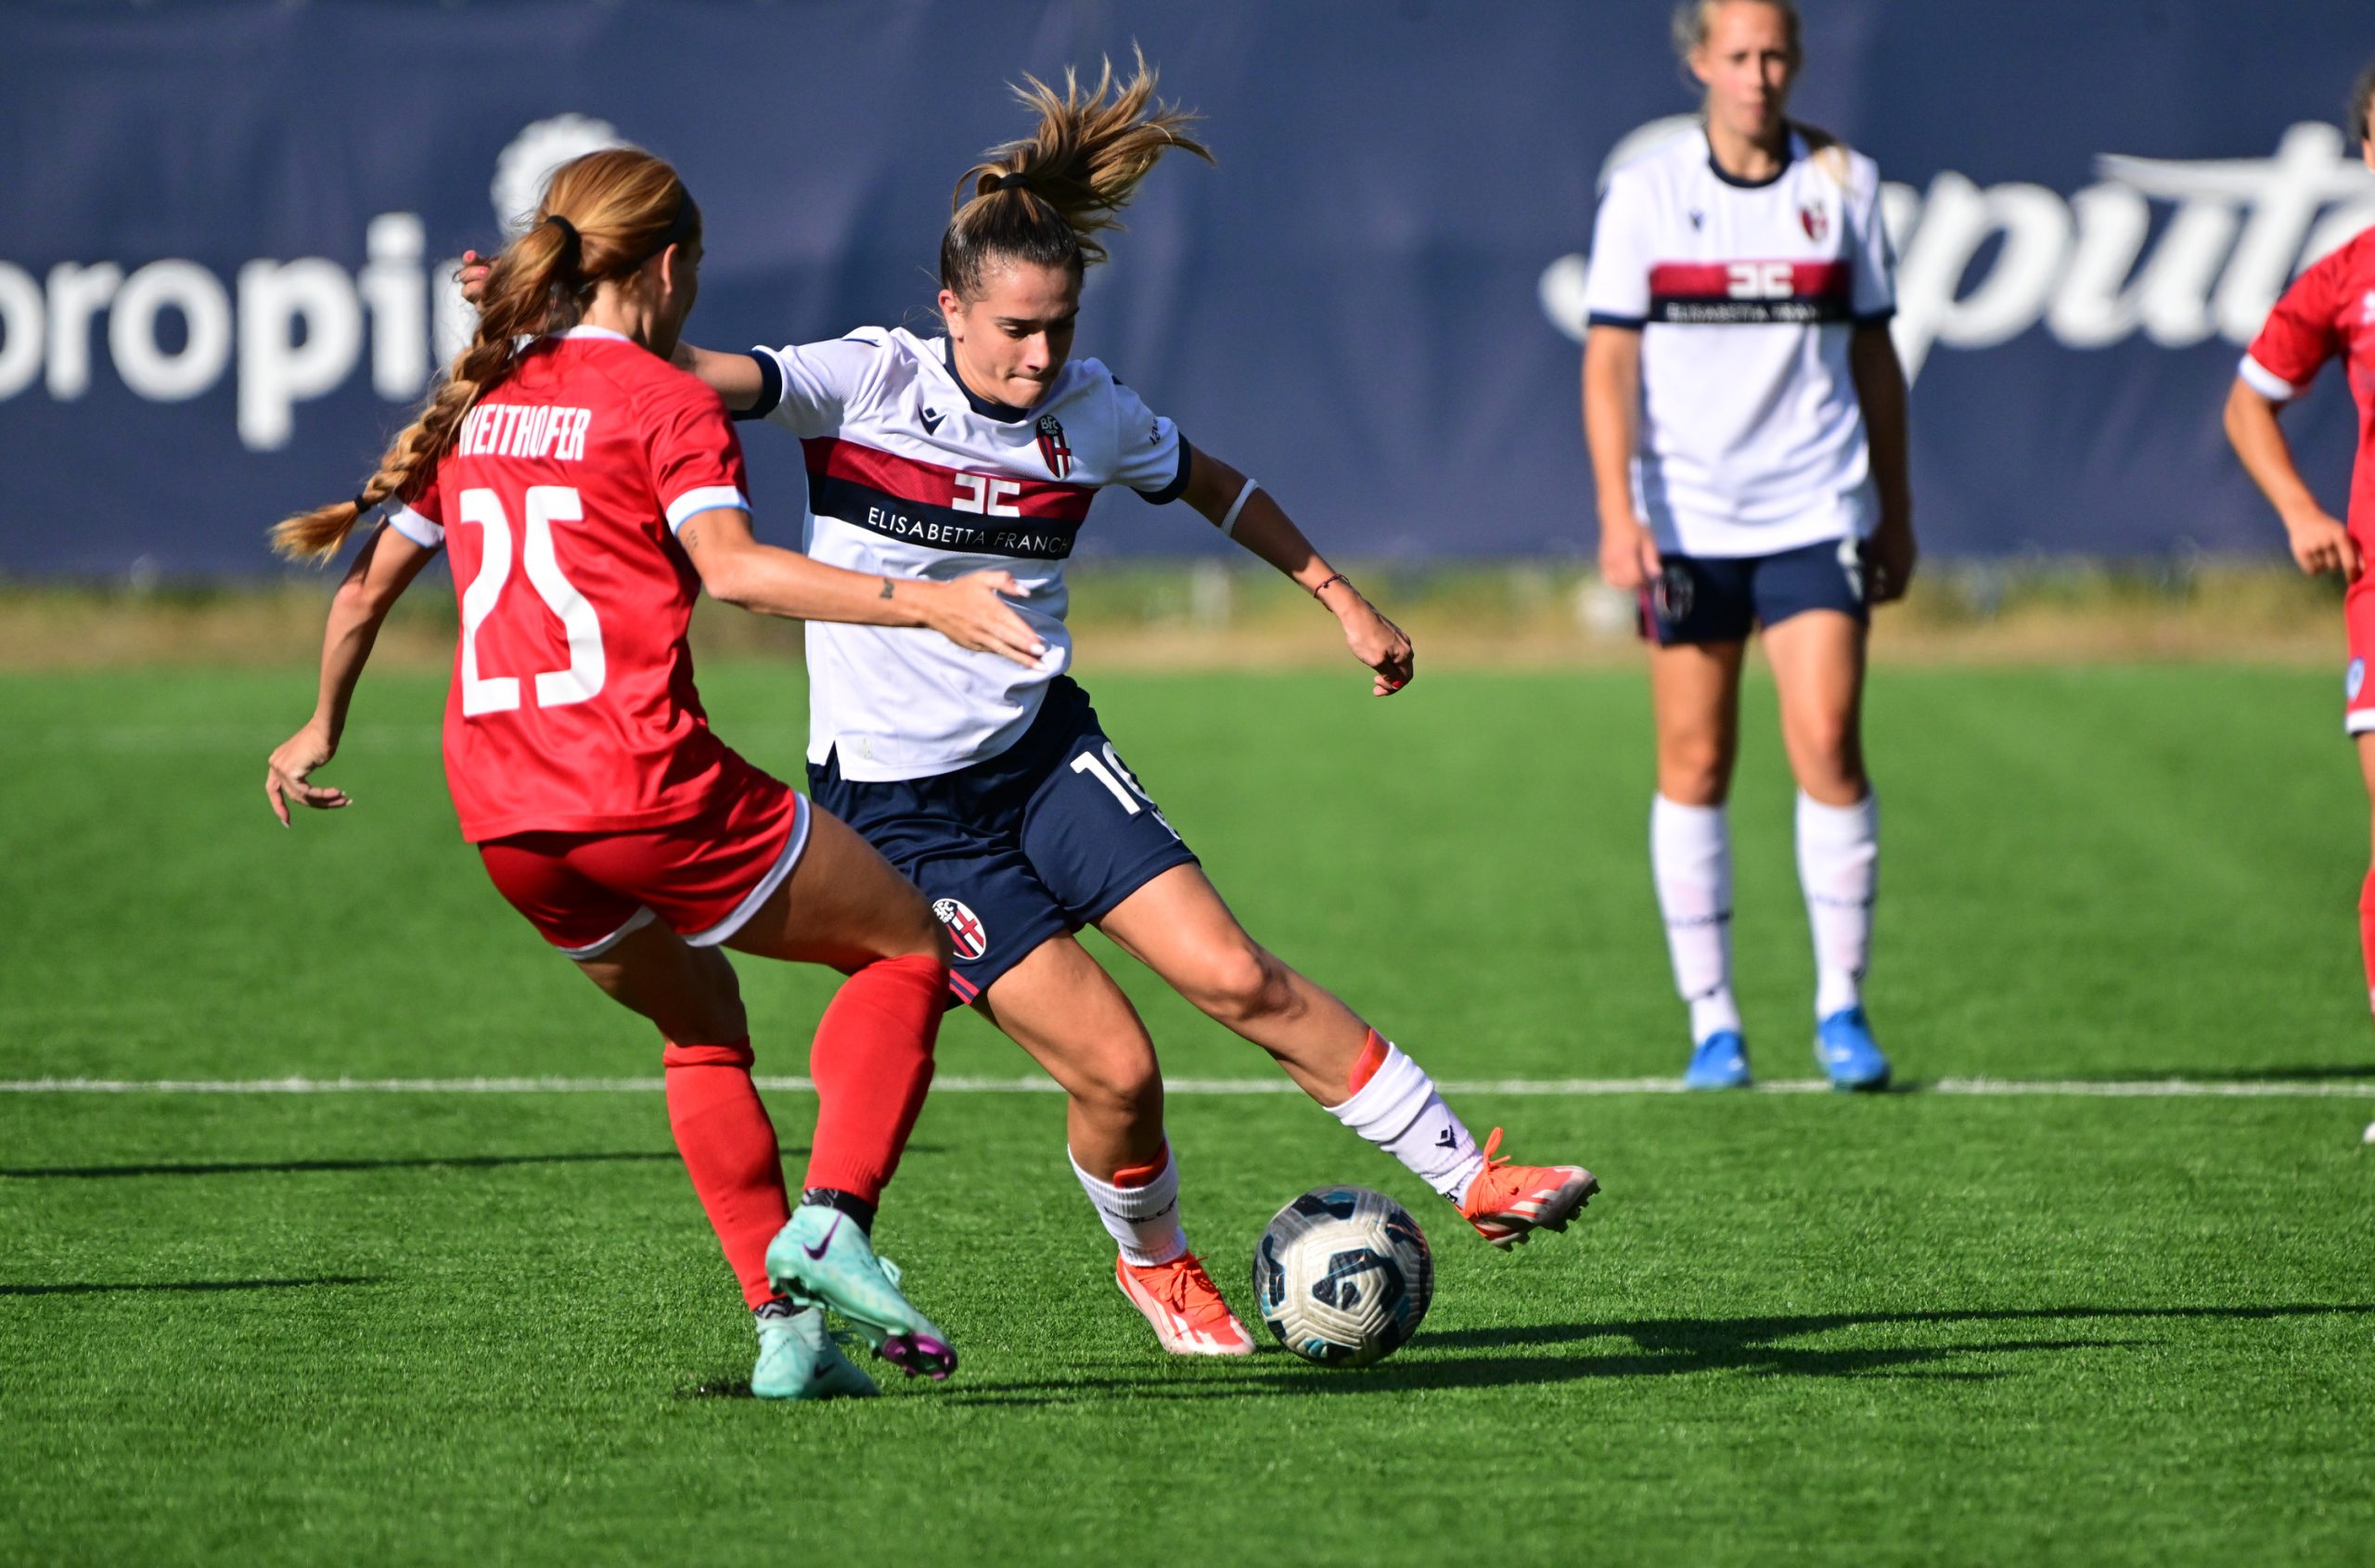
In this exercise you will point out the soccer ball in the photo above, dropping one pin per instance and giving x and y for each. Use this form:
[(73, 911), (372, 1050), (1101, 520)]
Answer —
[(1342, 1276)]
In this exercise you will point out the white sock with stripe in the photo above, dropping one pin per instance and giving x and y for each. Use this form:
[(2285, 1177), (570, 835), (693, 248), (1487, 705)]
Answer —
[(1839, 854), (1142, 1219), (1690, 858), (1399, 1110)]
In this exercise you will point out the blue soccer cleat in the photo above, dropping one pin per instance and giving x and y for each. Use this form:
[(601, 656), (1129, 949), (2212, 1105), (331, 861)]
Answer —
[(823, 1258), (1844, 1046), (798, 1361), (1720, 1062)]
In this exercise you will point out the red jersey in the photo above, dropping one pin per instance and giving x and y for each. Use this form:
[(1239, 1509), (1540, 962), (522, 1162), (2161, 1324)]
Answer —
[(572, 707), (2330, 310)]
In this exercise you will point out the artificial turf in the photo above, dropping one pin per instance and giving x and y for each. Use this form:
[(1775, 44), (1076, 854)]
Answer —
[(420, 1327)]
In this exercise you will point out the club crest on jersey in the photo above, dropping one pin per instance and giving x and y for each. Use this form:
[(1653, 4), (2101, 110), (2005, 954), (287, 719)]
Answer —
[(2354, 680), (1054, 450), (966, 933), (1815, 220)]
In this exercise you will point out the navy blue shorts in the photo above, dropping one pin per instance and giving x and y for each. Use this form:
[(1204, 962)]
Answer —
[(1038, 841), (1718, 598)]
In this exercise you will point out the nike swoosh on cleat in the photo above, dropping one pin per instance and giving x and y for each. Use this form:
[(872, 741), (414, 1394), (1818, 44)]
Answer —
[(817, 1252)]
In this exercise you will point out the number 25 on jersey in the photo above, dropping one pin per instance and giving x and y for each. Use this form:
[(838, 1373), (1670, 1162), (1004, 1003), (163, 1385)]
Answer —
[(544, 506)]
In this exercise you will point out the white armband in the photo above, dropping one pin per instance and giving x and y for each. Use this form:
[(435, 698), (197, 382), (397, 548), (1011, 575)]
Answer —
[(1229, 520)]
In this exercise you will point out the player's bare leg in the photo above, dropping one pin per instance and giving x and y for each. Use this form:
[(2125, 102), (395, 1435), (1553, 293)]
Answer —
[(1817, 661), (1695, 696), (1059, 1004), (1178, 926)]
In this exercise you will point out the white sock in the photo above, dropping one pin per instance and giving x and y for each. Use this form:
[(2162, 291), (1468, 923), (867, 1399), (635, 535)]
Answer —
[(1143, 1221), (1690, 856), (1399, 1110), (1839, 852)]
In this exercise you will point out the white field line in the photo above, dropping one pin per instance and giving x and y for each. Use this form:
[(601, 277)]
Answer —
[(1557, 1088)]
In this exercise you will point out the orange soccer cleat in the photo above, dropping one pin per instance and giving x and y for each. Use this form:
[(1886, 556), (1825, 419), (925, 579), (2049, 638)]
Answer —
[(1186, 1308), (1507, 1203)]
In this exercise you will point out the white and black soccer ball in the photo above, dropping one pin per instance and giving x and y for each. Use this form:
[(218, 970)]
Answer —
[(1342, 1276)]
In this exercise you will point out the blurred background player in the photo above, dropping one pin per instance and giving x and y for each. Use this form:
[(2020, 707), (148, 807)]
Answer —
[(997, 790), (2329, 313), (587, 490), (1745, 413)]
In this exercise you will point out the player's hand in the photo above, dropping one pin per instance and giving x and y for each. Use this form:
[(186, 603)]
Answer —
[(292, 760), (473, 275), (1628, 556), (2321, 545), (971, 613), (1382, 646), (1889, 556)]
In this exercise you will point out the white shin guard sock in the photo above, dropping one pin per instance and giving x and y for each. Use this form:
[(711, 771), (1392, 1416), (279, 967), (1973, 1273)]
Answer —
[(1691, 857), (1839, 853), (1143, 1221), (1399, 1110)]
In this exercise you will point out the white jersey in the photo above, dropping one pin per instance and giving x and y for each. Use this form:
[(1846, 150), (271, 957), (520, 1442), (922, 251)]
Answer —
[(1752, 439), (912, 476)]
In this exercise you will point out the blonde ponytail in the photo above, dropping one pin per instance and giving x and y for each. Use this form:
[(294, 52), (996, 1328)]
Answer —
[(1046, 197), (603, 216)]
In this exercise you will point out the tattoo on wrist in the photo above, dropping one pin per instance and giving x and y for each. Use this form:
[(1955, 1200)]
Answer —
[(887, 589)]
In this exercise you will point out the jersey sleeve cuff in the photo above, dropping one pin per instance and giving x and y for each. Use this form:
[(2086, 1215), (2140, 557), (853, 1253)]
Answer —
[(770, 385), (1879, 317), (1170, 492), (415, 527), (708, 497), (1611, 318), (2264, 382)]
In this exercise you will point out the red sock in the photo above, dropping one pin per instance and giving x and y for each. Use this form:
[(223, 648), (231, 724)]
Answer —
[(1140, 1175), (872, 1062), (2366, 932), (1372, 1056), (730, 1148)]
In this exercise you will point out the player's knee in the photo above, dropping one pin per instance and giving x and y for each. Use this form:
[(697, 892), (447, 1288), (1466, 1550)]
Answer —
[(1122, 1088), (1693, 770), (1828, 756), (1238, 982)]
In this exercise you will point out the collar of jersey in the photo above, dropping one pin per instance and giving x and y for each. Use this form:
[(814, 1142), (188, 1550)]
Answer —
[(1789, 156), (1004, 412), (584, 331)]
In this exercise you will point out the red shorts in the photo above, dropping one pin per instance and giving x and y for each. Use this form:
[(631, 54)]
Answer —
[(2358, 616), (704, 876)]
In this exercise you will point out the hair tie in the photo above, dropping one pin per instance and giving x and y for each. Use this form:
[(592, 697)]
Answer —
[(569, 235), (362, 506), (1011, 182)]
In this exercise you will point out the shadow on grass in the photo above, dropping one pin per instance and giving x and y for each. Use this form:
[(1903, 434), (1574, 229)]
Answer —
[(87, 1289), (277, 1167), (1660, 1347)]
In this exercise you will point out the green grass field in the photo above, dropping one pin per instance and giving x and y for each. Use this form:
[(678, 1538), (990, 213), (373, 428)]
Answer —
[(423, 1327)]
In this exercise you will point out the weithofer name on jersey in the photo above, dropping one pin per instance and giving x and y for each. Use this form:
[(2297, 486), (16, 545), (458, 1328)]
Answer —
[(524, 429)]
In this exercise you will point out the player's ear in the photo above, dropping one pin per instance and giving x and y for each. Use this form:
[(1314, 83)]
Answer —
[(951, 309)]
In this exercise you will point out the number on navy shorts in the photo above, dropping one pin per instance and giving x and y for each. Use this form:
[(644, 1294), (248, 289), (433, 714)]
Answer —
[(546, 504), (1121, 783)]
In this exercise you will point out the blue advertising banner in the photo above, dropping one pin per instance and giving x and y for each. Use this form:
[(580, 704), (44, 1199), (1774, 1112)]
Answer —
[(227, 230)]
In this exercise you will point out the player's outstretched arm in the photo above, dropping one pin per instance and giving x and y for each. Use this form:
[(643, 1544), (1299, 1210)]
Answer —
[(1878, 376), (385, 568), (740, 571), (1628, 556), (1254, 520), (2319, 542)]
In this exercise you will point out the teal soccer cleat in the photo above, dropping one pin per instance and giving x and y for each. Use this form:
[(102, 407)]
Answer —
[(798, 1361), (823, 1258), (1845, 1046), (1719, 1063)]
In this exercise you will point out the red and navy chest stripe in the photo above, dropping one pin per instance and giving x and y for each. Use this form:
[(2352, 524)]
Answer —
[(943, 508), (1726, 293)]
